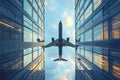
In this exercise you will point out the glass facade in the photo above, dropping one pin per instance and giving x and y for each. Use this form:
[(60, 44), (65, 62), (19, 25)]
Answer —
[(21, 24), (97, 54)]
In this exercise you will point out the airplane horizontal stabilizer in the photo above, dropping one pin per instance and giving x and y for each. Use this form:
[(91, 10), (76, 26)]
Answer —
[(60, 59), (64, 59)]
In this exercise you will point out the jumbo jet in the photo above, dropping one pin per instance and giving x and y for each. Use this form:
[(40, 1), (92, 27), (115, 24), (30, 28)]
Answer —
[(60, 43)]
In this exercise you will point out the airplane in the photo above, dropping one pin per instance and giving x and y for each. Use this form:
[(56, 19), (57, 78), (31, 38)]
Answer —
[(60, 43)]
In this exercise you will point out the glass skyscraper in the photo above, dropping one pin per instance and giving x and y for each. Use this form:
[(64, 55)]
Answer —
[(97, 29), (21, 24)]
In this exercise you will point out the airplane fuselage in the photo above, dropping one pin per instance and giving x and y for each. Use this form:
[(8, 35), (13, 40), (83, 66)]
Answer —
[(60, 40)]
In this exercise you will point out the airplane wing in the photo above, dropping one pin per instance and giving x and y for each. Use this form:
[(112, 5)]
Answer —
[(55, 43), (67, 43)]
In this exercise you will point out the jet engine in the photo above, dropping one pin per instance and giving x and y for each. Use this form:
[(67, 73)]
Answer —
[(67, 39), (52, 39)]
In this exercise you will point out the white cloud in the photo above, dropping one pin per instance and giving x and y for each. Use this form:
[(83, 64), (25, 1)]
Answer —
[(67, 17), (64, 13), (54, 26), (50, 4), (52, 58)]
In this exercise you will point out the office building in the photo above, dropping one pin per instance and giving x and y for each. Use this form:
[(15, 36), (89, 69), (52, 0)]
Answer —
[(97, 25), (21, 24)]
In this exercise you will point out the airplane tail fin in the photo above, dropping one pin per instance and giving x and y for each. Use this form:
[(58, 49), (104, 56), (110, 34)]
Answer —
[(60, 59)]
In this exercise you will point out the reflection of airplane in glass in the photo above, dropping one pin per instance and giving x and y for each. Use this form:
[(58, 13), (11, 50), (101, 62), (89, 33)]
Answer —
[(60, 42)]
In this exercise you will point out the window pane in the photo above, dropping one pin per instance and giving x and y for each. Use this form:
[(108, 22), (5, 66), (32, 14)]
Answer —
[(27, 35), (116, 27), (26, 51), (97, 59), (98, 32), (88, 55), (88, 11), (116, 63), (27, 59), (35, 37), (35, 54), (86, 3), (27, 7), (82, 52), (81, 3), (35, 5), (96, 3), (27, 22), (82, 19), (100, 58), (106, 30), (98, 15), (88, 35), (82, 38), (35, 16)]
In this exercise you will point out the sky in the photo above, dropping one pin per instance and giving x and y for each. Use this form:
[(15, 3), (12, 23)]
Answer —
[(56, 10)]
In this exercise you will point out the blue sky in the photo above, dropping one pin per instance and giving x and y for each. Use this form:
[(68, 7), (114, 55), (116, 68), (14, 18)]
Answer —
[(56, 10)]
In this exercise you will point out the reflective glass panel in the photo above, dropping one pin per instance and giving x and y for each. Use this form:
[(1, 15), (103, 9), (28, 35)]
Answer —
[(35, 54), (35, 17), (106, 30), (88, 35), (27, 7), (88, 55), (88, 11), (26, 51), (27, 35), (96, 3), (116, 63), (97, 60), (98, 32), (27, 59), (116, 27)]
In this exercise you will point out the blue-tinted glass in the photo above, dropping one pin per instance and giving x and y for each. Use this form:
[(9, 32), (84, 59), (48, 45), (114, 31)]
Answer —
[(98, 15), (88, 11), (115, 56), (88, 55), (96, 3), (35, 54), (88, 35), (35, 37), (35, 5), (82, 52), (88, 48), (35, 28), (81, 3), (86, 3), (116, 27), (35, 17), (98, 32), (106, 30), (98, 50), (35, 48), (26, 51), (27, 22), (27, 59), (88, 23), (27, 7), (82, 19), (82, 38), (27, 35)]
